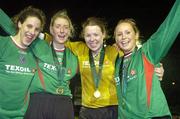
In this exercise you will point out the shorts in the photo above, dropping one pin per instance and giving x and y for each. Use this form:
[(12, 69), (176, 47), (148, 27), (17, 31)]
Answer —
[(163, 117), (109, 112), (49, 106)]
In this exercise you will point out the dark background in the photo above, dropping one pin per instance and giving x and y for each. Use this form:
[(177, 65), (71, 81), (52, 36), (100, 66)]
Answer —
[(149, 14)]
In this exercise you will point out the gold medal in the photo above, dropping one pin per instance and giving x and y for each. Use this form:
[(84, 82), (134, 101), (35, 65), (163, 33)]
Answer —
[(60, 90), (97, 94)]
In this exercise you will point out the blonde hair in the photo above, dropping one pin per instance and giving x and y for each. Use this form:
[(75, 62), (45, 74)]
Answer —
[(63, 14), (134, 26)]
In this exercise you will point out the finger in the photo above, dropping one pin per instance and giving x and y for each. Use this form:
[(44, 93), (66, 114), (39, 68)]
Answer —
[(161, 64)]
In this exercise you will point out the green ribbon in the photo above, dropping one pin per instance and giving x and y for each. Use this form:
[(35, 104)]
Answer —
[(96, 76), (61, 69)]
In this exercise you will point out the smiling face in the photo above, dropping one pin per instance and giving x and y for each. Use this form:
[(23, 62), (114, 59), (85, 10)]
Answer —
[(60, 30), (125, 37), (94, 38), (29, 30)]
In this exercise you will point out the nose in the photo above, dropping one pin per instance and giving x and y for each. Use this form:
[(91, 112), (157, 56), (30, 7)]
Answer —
[(92, 38), (61, 29), (32, 31), (123, 36)]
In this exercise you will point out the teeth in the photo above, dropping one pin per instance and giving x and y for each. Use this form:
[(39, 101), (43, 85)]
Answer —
[(30, 37), (93, 45), (61, 36), (124, 43)]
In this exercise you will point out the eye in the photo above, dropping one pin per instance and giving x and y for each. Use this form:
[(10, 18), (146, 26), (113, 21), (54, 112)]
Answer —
[(57, 26), (127, 32), (66, 27), (87, 35), (96, 34), (29, 26), (37, 29), (119, 34)]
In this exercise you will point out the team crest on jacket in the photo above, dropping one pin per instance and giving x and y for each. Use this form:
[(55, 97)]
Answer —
[(133, 72), (132, 75), (22, 59)]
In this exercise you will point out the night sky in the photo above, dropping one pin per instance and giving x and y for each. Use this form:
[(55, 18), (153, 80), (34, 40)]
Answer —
[(149, 14)]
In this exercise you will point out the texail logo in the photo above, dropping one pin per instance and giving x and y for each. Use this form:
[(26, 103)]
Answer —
[(106, 62), (133, 72), (69, 71), (33, 70)]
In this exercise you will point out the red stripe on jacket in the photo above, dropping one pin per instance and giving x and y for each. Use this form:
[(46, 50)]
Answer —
[(149, 70)]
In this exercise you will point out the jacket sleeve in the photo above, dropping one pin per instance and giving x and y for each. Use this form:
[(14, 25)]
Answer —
[(160, 42), (77, 47), (6, 23)]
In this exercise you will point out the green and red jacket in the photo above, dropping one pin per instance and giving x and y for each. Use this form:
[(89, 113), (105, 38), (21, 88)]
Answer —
[(142, 96)]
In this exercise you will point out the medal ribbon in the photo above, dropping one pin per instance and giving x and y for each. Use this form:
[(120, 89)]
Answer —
[(96, 76), (61, 69), (123, 64)]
